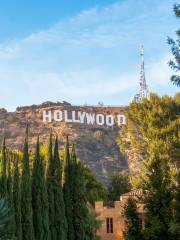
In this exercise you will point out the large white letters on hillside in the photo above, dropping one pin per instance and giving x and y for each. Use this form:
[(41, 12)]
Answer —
[(83, 117)]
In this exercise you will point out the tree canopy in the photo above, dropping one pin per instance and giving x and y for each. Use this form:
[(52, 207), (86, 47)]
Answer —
[(175, 49)]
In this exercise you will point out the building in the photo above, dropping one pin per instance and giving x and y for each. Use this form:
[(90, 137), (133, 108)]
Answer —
[(113, 221)]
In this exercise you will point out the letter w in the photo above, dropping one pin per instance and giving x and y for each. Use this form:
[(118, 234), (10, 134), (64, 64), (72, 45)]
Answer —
[(90, 118)]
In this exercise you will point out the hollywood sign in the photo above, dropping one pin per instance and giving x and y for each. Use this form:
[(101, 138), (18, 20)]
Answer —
[(83, 118)]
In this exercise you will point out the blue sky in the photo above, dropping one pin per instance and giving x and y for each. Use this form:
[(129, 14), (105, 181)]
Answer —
[(83, 51)]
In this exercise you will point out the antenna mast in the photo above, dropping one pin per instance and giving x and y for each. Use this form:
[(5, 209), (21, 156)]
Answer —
[(142, 81)]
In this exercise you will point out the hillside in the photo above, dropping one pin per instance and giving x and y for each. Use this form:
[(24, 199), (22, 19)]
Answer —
[(96, 144)]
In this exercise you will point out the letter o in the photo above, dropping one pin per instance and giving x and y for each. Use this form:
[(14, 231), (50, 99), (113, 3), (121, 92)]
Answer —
[(109, 120), (58, 115), (100, 119)]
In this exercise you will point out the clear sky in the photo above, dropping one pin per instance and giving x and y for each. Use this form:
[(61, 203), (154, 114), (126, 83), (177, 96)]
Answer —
[(83, 51)]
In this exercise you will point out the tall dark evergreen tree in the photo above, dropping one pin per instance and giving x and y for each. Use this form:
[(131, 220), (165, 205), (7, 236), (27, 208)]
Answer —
[(50, 191), (132, 228), (80, 211), (4, 171), (40, 198), (175, 222), (11, 225), (158, 195), (4, 218), (175, 49), (67, 189), (26, 195), (60, 221), (17, 200), (84, 221)]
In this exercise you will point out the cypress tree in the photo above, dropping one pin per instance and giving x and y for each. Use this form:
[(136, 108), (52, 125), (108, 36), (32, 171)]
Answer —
[(26, 194), (17, 200), (132, 229), (84, 220), (79, 208), (39, 198), (4, 170), (11, 225), (80, 211), (50, 190), (4, 218), (60, 218), (67, 188)]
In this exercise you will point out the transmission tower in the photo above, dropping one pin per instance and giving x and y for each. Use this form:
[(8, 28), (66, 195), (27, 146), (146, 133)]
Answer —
[(142, 81)]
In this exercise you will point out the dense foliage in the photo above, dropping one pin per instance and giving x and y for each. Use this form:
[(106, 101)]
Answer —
[(39, 198), (154, 126), (133, 228), (26, 195), (95, 191), (119, 184), (47, 200), (4, 218), (156, 118), (175, 49)]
